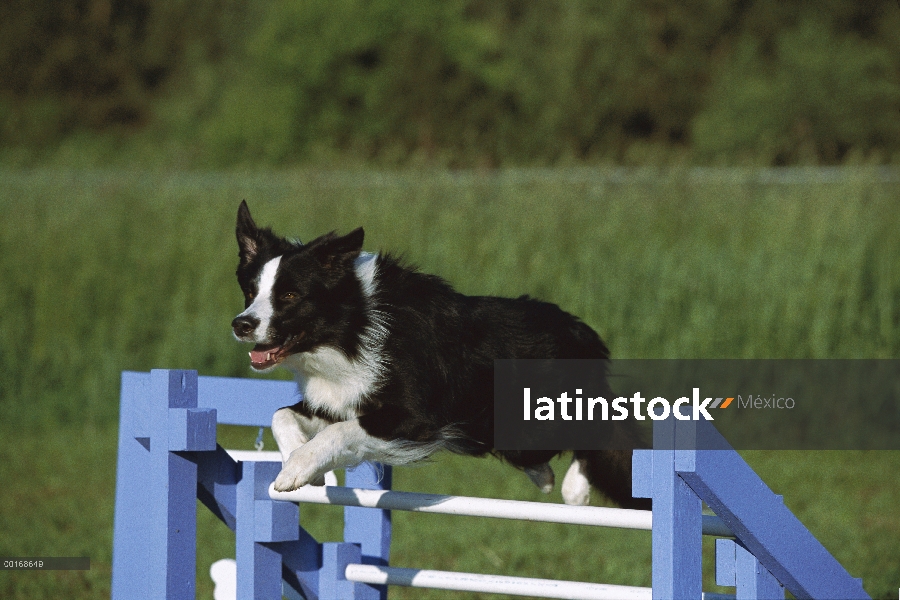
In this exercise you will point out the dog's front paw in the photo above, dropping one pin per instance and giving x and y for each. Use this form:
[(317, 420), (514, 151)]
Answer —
[(294, 474), (287, 482)]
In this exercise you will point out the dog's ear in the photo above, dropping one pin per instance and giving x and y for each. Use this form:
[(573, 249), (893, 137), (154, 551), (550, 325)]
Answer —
[(247, 234), (253, 240), (337, 253), (350, 243)]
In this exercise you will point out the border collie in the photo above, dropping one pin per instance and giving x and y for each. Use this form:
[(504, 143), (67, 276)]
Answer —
[(395, 365)]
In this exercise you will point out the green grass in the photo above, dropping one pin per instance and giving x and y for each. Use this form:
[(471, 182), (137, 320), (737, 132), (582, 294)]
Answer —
[(106, 271)]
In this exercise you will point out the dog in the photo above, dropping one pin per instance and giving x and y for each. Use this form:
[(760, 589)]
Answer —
[(395, 365)]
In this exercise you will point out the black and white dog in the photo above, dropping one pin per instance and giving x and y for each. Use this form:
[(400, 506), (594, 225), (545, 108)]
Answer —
[(394, 364)]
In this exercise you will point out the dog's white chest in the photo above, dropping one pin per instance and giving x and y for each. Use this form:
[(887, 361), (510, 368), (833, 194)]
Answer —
[(332, 383)]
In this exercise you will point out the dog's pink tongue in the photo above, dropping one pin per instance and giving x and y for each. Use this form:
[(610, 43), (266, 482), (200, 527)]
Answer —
[(259, 356), (263, 356)]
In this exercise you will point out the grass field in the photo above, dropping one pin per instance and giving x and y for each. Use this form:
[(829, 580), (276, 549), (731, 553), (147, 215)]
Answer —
[(106, 271)]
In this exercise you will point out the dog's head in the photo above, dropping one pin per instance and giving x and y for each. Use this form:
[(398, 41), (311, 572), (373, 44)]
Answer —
[(297, 297)]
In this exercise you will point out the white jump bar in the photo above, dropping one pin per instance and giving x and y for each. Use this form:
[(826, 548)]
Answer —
[(484, 507), (502, 584), (255, 455), (494, 584)]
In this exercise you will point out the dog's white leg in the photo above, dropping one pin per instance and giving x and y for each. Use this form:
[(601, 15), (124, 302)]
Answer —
[(542, 476), (342, 444), (287, 432), (576, 489), (292, 429)]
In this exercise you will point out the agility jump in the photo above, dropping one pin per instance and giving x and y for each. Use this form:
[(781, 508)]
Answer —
[(168, 458)]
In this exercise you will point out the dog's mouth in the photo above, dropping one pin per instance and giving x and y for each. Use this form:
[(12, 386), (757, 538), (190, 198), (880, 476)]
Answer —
[(265, 356)]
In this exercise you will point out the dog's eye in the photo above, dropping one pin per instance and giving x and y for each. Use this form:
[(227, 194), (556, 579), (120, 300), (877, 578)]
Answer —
[(251, 295), (289, 296)]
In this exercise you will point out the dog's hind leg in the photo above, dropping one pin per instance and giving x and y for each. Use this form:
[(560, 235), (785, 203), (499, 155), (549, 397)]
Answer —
[(542, 476), (607, 470), (576, 489)]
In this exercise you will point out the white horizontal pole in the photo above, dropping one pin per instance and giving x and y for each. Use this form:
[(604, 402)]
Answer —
[(484, 507), (255, 455), (494, 584), (502, 584)]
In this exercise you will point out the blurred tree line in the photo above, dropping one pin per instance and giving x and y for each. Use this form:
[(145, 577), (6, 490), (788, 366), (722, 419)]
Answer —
[(460, 82)]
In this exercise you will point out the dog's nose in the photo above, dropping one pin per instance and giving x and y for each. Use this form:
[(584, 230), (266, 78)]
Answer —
[(244, 325)]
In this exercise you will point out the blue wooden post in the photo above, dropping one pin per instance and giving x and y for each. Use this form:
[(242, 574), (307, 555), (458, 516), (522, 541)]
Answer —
[(736, 567), (176, 425), (369, 527), (333, 585), (131, 525), (677, 522), (260, 521), (156, 490)]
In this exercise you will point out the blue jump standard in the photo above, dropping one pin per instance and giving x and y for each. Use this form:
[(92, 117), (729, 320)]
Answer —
[(168, 458)]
